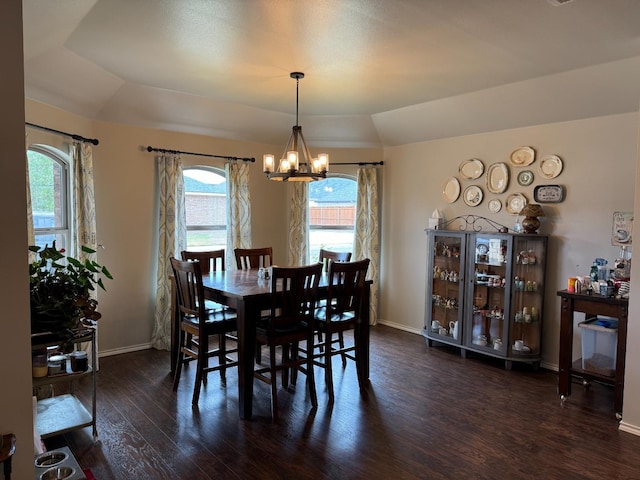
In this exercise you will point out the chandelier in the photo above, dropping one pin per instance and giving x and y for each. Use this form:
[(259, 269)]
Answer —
[(291, 167)]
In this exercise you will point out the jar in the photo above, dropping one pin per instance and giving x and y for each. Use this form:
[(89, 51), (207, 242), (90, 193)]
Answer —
[(57, 365), (79, 361), (39, 366)]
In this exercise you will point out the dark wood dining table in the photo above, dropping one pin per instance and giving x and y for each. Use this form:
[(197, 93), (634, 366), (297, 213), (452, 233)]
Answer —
[(248, 294)]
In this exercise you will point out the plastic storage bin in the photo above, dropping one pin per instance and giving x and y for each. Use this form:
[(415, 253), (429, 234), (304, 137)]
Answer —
[(599, 345)]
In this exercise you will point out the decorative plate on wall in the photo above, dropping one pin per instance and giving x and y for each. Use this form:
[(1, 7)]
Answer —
[(495, 205), (525, 178), (472, 195), (522, 156), (451, 190), (498, 177), (548, 193), (550, 166), (515, 203), (471, 169)]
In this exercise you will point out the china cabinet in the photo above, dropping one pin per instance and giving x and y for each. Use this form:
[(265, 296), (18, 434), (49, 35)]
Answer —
[(60, 413), (485, 293)]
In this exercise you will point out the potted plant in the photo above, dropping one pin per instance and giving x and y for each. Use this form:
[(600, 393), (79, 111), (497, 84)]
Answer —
[(60, 289)]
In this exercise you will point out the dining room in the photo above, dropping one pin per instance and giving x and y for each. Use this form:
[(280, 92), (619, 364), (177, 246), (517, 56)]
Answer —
[(422, 144)]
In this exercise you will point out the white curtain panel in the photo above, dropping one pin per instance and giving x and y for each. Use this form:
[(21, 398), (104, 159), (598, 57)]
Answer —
[(298, 254), (238, 210), (172, 239), (31, 237), (366, 241)]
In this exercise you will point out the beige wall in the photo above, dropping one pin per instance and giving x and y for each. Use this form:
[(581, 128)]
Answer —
[(15, 344), (599, 158)]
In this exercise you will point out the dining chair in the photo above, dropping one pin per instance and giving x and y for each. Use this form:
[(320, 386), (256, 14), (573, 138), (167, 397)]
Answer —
[(210, 261), (327, 256), (198, 321), (247, 258), (290, 322), (341, 312)]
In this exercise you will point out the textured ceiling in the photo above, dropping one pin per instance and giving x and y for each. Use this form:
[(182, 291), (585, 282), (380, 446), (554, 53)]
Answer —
[(373, 67)]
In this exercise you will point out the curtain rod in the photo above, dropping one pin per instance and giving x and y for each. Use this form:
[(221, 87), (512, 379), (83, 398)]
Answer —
[(177, 152), (360, 164), (79, 138)]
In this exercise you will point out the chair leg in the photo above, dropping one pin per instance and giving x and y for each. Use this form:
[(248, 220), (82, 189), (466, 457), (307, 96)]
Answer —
[(180, 361), (285, 371), (320, 345), (201, 365), (344, 355), (222, 358), (328, 370), (274, 383), (311, 382)]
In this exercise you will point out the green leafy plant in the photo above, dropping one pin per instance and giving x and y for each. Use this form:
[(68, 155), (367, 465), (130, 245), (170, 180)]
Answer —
[(60, 289)]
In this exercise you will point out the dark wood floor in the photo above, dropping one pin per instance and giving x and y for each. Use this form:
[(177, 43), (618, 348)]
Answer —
[(430, 414)]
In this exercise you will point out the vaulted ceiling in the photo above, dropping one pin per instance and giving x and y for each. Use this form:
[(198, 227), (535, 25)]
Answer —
[(377, 72)]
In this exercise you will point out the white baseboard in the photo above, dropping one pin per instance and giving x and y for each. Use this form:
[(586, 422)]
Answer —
[(399, 327), (129, 349), (627, 427)]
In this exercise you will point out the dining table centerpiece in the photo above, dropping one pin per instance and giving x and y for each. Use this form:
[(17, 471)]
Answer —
[(61, 290)]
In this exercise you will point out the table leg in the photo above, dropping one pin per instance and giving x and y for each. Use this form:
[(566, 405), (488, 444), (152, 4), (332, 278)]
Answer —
[(175, 325), (362, 341), (620, 360), (248, 315), (566, 346)]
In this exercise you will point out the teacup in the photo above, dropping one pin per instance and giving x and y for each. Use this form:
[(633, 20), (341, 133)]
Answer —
[(442, 331), (518, 344), (435, 325)]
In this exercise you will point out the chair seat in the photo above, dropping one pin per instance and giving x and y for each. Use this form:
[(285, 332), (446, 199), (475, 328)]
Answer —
[(336, 318), (218, 320)]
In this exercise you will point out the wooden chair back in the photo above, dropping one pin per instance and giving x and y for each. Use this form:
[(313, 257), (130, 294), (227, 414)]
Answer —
[(211, 260), (247, 258), (346, 288), (327, 256), (189, 289)]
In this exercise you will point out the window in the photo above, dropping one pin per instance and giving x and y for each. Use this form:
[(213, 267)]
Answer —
[(332, 212), (49, 180), (205, 191)]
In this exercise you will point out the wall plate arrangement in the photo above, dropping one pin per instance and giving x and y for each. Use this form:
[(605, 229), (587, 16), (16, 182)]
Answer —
[(549, 193), (498, 177), (471, 169), (472, 195), (451, 190), (522, 156)]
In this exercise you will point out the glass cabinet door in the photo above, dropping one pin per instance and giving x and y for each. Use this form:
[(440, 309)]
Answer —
[(528, 295), (489, 292), (445, 286)]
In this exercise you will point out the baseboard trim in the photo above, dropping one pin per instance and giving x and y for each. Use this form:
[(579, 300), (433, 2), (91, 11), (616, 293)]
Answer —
[(632, 429), (399, 326), (129, 349)]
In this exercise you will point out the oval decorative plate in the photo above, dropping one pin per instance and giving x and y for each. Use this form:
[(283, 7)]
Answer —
[(498, 177), (548, 193), (495, 205), (550, 166), (522, 156), (472, 195), (471, 169), (451, 190), (525, 178), (515, 203)]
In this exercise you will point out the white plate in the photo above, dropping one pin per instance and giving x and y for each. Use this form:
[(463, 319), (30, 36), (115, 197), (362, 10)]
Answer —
[(451, 190), (472, 195), (471, 169), (515, 203), (495, 205), (525, 178), (498, 177), (550, 166), (522, 156)]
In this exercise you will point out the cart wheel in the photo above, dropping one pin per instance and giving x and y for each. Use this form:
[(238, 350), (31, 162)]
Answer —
[(619, 416), (562, 399)]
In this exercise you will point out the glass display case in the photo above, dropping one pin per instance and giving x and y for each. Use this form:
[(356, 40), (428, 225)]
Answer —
[(485, 293)]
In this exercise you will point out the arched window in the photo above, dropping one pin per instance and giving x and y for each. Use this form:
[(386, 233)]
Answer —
[(205, 191), (49, 180), (332, 212)]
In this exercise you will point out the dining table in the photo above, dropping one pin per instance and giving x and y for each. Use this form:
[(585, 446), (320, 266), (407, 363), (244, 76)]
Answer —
[(249, 294)]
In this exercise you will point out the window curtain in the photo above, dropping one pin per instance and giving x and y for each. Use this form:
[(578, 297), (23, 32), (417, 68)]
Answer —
[(298, 254), (366, 241), (238, 210), (31, 236), (172, 236)]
